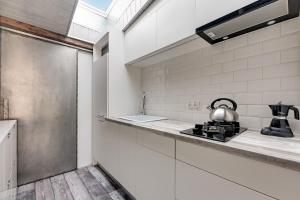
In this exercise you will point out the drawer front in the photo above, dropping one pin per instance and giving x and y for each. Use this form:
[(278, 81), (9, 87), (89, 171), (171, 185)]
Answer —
[(193, 184), (158, 143), (272, 180)]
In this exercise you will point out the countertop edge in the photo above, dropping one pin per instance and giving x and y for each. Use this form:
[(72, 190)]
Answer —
[(9, 125), (281, 162)]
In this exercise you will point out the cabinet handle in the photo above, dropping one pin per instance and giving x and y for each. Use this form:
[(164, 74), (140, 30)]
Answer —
[(8, 135), (8, 184)]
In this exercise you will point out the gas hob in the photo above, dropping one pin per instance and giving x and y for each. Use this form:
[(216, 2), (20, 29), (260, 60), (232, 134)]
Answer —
[(218, 131)]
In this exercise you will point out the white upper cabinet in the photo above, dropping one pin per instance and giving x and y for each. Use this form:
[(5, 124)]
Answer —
[(210, 10), (167, 22), (140, 38), (175, 21)]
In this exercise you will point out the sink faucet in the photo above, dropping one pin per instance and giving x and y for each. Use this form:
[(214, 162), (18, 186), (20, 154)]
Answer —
[(144, 103)]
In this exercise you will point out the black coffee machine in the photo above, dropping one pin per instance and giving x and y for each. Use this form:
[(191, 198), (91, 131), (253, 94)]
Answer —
[(280, 126)]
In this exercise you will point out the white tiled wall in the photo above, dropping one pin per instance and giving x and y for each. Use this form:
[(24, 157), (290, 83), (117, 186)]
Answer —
[(256, 69)]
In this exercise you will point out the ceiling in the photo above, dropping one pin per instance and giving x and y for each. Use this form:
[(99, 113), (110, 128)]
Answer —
[(52, 15)]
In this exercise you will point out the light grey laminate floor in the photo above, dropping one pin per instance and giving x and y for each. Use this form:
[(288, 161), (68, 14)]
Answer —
[(84, 184)]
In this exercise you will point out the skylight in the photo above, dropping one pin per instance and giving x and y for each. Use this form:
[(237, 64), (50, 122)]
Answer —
[(102, 5)]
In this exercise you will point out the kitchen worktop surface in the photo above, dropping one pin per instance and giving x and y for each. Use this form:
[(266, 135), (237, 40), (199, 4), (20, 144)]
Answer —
[(5, 127), (284, 152)]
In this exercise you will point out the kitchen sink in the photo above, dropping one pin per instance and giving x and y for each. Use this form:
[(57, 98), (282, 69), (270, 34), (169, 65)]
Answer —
[(143, 118)]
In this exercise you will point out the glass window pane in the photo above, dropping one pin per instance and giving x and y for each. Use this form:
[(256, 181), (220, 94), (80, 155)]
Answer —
[(99, 4)]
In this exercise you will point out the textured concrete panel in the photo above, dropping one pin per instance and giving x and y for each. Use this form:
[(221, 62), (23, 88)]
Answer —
[(40, 81)]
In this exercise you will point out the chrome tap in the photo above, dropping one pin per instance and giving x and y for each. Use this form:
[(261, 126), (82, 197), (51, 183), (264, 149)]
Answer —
[(144, 103)]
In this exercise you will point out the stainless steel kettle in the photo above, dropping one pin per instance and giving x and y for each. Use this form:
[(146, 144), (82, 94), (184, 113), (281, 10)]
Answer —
[(223, 113)]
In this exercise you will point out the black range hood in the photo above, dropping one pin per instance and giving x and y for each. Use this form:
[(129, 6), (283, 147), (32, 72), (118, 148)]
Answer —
[(252, 17)]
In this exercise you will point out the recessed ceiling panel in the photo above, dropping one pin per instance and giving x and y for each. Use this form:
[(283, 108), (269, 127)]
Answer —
[(54, 15)]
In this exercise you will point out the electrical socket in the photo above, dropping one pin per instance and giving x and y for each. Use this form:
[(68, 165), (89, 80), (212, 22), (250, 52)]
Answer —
[(194, 106)]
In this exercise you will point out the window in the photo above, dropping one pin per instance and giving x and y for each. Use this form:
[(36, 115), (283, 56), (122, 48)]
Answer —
[(102, 5)]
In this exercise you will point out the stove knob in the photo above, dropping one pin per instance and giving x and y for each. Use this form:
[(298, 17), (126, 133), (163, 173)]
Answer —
[(197, 131), (199, 126), (210, 135)]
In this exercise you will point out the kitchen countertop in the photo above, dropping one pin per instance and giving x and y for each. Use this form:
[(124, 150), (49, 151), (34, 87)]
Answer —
[(284, 152), (5, 127)]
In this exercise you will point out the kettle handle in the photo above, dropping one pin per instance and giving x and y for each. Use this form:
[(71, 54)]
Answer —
[(296, 112), (212, 105)]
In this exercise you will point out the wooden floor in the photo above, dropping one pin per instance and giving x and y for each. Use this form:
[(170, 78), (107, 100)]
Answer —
[(84, 184)]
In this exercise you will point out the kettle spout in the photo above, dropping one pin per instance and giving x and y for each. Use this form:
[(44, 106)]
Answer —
[(209, 108)]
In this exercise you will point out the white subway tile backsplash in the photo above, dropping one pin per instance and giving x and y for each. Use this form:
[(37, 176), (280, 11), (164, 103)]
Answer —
[(210, 70), (264, 85), (252, 123), (264, 60), (282, 70), (210, 89), (213, 50), (234, 43), (223, 57), (255, 70), (247, 75), (222, 78), (248, 51), (242, 110), (290, 83), (236, 87), (235, 65), (259, 111), (290, 26), (264, 34), (286, 97), (248, 98), (283, 42), (290, 55)]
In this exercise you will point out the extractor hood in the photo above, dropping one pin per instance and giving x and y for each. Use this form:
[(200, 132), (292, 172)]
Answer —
[(252, 17)]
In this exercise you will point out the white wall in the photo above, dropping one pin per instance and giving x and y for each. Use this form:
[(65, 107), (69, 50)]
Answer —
[(256, 69), (85, 63), (89, 17), (88, 24), (124, 84)]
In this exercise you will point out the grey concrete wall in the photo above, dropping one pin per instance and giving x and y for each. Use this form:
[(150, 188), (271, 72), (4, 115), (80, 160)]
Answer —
[(40, 80)]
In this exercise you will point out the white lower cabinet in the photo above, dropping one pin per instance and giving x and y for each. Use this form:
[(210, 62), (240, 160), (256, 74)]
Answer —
[(272, 180), (132, 160), (128, 157), (106, 144), (194, 184), (154, 175), (147, 165), (8, 163)]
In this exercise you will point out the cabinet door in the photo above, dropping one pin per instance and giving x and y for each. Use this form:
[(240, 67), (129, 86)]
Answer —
[(193, 184), (176, 20), (98, 147), (128, 148), (2, 168), (13, 147), (7, 156), (155, 177), (207, 11), (107, 152), (140, 37)]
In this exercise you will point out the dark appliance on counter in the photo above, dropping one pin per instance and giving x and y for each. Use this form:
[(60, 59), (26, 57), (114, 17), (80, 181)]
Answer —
[(279, 125), (223, 126), (257, 15)]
